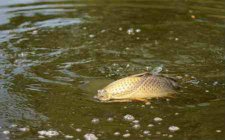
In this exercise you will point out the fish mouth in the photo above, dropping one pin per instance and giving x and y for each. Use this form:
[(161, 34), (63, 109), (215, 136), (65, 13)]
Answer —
[(101, 91), (102, 95)]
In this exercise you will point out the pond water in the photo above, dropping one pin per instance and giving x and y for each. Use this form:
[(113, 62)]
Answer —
[(56, 54)]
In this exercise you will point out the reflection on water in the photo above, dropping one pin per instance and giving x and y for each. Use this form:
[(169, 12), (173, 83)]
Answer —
[(55, 55)]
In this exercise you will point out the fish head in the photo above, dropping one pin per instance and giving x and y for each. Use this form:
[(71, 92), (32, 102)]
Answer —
[(103, 95)]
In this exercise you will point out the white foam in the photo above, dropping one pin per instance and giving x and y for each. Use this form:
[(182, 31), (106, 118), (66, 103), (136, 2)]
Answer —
[(218, 131), (78, 129), (6, 132), (173, 128), (146, 132), (136, 126), (135, 121), (138, 30), (24, 129), (68, 136), (128, 117), (90, 136), (116, 133), (91, 36), (95, 121), (157, 119), (126, 135), (48, 133), (110, 119), (150, 125), (130, 31)]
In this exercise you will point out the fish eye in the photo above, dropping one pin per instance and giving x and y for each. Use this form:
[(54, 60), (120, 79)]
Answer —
[(102, 95)]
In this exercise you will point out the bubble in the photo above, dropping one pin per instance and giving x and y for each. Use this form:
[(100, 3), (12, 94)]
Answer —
[(136, 126), (138, 30), (190, 11), (13, 125), (116, 134), (102, 31), (34, 32), (147, 103), (22, 54), (157, 132), (146, 132), (176, 113), (91, 36), (24, 129), (135, 121), (179, 77), (170, 136), (95, 121), (157, 119), (90, 136), (6, 132), (120, 29), (195, 82), (157, 70), (128, 117), (127, 48), (78, 129), (218, 131), (173, 128), (68, 136), (41, 137), (206, 91), (148, 68), (110, 119), (49, 133), (126, 135), (99, 135), (204, 104), (215, 83), (130, 31), (150, 125)]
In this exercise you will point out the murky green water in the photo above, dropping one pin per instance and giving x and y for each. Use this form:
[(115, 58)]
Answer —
[(55, 55)]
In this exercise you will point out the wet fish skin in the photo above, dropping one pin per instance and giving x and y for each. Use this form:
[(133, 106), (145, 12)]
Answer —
[(137, 87)]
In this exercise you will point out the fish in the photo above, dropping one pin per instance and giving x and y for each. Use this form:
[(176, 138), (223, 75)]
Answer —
[(138, 87)]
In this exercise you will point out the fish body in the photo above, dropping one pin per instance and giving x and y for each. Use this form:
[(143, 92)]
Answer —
[(138, 87)]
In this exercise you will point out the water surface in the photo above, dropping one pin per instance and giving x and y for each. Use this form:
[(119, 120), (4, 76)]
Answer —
[(55, 55)]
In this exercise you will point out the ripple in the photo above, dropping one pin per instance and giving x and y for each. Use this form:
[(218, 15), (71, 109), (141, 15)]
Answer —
[(57, 22)]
